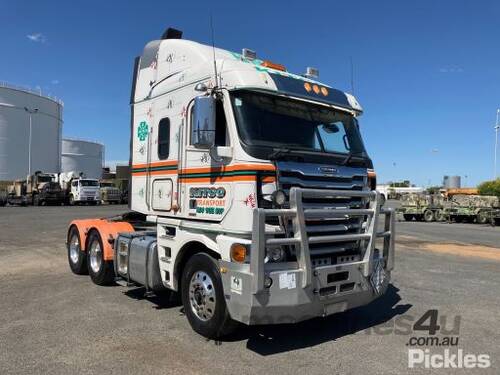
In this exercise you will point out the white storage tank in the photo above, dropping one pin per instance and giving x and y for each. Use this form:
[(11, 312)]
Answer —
[(452, 182), (82, 156), (20, 152)]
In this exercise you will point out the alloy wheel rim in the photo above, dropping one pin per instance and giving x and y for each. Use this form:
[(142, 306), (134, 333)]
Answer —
[(74, 249), (202, 297), (95, 256)]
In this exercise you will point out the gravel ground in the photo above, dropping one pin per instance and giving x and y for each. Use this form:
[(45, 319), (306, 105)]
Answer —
[(52, 321)]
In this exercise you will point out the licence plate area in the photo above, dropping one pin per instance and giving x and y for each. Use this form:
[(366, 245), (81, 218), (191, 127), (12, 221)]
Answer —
[(337, 280)]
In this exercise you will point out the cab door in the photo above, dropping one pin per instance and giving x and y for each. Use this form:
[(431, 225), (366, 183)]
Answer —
[(205, 183)]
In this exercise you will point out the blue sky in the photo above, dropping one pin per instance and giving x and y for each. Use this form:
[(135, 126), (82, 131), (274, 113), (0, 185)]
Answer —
[(426, 72)]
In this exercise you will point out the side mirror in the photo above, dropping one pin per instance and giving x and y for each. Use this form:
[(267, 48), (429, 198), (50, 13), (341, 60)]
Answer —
[(203, 127), (224, 151)]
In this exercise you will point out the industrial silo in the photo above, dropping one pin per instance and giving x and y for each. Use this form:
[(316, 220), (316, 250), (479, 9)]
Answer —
[(30, 133), (82, 156), (451, 182)]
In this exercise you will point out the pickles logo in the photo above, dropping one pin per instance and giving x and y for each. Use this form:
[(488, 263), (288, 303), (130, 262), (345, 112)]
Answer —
[(142, 131)]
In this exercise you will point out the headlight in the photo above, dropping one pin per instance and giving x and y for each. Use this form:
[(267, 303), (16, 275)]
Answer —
[(274, 254), (279, 197)]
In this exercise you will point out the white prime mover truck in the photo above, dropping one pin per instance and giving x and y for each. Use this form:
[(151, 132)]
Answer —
[(251, 195)]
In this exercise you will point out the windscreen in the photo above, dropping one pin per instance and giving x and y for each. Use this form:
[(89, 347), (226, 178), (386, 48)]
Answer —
[(277, 122), (89, 183)]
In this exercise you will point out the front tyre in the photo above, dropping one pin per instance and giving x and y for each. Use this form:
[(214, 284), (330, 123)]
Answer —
[(203, 297), (76, 257), (101, 271)]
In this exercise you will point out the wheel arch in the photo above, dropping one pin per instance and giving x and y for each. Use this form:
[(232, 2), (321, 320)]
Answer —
[(185, 253), (107, 230)]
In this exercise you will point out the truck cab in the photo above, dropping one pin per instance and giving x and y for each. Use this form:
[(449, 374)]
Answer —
[(109, 192), (256, 192), (84, 190)]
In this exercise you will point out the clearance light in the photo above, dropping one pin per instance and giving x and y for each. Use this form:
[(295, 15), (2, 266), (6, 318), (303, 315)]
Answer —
[(249, 54), (307, 86), (324, 91), (316, 89), (312, 72), (238, 253), (271, 65)]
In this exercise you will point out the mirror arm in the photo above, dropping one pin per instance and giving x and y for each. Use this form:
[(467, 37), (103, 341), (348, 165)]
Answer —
[(212, 152)]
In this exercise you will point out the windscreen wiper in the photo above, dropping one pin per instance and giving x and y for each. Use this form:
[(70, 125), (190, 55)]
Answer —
[(347, 159), (277, 152)]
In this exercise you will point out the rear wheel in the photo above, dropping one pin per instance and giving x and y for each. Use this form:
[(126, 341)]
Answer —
[(482, 217), (203, 297), (429, 216), (36, 200), (76, 257), (101, 271), (439, 215)]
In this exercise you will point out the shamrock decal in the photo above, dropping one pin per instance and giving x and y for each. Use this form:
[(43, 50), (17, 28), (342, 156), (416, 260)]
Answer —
[(142, 131)]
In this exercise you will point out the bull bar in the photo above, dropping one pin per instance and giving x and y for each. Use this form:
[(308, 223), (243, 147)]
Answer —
[(262, 239)]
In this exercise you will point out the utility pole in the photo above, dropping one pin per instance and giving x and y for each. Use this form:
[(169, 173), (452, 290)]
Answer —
[(496, 145)]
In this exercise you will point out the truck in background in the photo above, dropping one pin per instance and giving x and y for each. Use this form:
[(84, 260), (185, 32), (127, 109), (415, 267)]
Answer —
[(396, 192), (38, 189), (481, 209), (78, 189), (252, 194), (109, 192), (422, 207)]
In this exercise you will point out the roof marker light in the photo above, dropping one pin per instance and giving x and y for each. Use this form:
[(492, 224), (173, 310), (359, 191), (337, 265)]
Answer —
[(312, 72), (271, 65), (248, 54)]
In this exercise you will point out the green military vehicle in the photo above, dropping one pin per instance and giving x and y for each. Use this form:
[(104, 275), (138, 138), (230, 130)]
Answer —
[(481, 209), (422, 207), (38, 189)]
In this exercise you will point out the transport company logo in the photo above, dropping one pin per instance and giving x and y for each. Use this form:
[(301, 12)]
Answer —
[(142, 131)]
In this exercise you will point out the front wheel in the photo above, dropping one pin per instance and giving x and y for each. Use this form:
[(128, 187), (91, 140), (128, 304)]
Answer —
[(408, 217), (101, 271), (203, 297)]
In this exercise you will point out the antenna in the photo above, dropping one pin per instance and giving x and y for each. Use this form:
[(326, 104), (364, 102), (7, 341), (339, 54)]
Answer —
[(352, 76), (213, 47)]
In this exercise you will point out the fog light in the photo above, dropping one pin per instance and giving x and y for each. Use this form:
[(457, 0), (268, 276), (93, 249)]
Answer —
[(268, 282), (279, 197), (274, 254), (238, 253)]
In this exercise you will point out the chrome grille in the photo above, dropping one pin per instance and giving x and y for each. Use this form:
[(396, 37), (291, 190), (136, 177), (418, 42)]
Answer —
[(303, 175)]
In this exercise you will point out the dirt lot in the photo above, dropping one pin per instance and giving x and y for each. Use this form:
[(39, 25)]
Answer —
[(52, 321)]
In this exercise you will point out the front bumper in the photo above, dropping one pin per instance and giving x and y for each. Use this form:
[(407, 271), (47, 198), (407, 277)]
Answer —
[(298, 290)]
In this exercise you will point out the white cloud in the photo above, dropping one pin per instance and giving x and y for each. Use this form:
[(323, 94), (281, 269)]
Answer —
[(55, 82), (451, 69), (37, 37)]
